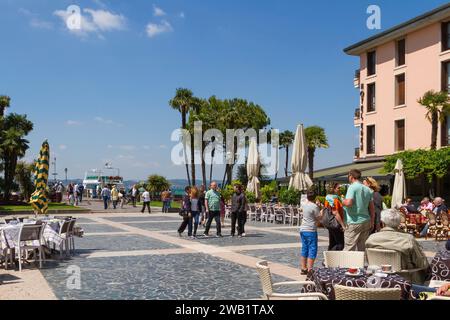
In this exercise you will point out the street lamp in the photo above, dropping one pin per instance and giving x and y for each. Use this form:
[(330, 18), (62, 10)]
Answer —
[(65, 171)]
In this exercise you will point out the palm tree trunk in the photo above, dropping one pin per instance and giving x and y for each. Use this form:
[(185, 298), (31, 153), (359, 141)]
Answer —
[(211, 167), (311, 152), (183, 126), (434, 130), (287, 162), (203, 164), (224, 175), (192, 160)]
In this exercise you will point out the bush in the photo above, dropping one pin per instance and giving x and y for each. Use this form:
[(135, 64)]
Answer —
[(290, 196), (268, 191), (387, 201), (250, 197), (227, 192)]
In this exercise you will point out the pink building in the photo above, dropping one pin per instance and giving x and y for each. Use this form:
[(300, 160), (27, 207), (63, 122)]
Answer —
[(396, 68)]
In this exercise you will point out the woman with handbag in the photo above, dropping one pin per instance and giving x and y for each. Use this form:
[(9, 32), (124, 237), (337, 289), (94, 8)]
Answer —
[(185, 212), (196, 209), (333, 218)]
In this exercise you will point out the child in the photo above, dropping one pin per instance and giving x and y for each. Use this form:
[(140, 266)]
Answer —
[(308, 233)]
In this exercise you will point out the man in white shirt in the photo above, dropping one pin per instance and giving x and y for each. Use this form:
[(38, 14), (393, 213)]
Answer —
[(76, 194), (146, 201)]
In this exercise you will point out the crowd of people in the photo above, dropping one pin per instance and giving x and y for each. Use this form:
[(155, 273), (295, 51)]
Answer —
[(201, 207)]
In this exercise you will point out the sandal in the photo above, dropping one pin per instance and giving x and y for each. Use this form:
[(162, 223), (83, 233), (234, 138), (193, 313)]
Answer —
[(304, 272)]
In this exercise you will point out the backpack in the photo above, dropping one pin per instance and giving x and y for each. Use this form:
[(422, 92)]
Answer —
[(329, 220)]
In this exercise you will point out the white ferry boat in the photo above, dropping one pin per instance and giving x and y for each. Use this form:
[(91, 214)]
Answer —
[(95, 180)]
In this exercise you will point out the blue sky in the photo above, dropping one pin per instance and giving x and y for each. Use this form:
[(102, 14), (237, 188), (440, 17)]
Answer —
[(102, 95)]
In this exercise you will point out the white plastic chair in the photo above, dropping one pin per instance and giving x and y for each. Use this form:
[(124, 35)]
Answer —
[(268, 286), (30, 233), (343, 259)]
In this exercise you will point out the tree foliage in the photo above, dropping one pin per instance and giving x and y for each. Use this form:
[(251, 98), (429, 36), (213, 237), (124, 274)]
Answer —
[(289, 196), (315, 138), (430, 163), (156, 184)]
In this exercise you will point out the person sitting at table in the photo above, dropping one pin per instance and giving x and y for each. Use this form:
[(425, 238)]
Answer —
[(443, 290), (447, 245), (426, 205), (389, 238), (439, 208), (409, 206)]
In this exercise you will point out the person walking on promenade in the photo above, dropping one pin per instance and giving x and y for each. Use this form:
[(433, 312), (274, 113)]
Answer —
[(134, 194), (59, 191), (212, 206), (75, 193), (359, 213), (80, 192), (308, 233), (222, 211), (146, 201), (196, 209), (114, 196), (335, 211), (186, 213), (165, 198), (105, 194), (201, 198), (238, 211), (373, 185), (122, 198), (70, 194)]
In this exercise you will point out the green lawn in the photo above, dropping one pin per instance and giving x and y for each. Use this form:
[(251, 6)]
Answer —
[(51, 207), (174, 204)]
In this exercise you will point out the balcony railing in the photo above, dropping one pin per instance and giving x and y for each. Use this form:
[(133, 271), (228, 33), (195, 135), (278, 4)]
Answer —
[(357, 153), (357, 113)]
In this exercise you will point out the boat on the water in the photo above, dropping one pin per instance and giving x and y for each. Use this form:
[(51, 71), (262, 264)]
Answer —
[(95, 180)]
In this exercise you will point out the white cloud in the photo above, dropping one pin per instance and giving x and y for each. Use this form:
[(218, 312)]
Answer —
[(73, 123), (146, 147), (181, 15), (94, 21), (107, 121), (158, 12), (163, 146), (125, 157), (106, 20), (62, 147), (127, 147), (154, 29)]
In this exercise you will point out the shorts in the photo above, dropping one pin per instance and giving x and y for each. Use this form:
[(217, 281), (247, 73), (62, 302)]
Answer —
[(309, 244)]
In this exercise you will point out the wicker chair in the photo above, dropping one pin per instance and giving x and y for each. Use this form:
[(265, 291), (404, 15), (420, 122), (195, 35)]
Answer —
[(432, 228), (343, 259), (442, 233), (352, 293), (267, 286), (380, 257)]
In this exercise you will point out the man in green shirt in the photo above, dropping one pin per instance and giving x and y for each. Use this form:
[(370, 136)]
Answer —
[(212, 206), (359, 213)]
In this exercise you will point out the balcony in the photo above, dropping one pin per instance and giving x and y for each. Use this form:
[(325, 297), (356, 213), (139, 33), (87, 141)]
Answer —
[(357, 79), (357, 117), (357, 153)]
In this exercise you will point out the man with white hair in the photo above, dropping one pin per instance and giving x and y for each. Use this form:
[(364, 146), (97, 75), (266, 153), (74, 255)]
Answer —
[(389, 238), (439, 207)]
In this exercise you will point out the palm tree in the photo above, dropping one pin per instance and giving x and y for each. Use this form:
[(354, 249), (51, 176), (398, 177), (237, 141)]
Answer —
[(14, 147), (24, 177), (286, 139), (4, 103), (315, 138), (438, 106), (182, 102)]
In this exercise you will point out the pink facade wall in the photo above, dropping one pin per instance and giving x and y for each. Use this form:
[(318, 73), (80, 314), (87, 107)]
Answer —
[(422, 73)]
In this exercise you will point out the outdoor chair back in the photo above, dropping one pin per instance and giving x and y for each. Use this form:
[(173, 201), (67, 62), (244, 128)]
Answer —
[(30, 232), (380, 257), (64, 227), (355, 293), (431, 218), (265, 277), (343, 259)]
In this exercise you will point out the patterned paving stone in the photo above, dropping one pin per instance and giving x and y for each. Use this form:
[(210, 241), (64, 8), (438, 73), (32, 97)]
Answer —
[(146, 217), (94, 228), (155, 225), (287, 256), (183, 276), (252, 238), (130, 242)]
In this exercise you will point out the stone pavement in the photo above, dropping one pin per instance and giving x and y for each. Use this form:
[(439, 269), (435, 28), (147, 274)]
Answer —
[(129, 255)]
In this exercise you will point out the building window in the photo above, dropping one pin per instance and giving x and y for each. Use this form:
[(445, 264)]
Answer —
[(371, 63), (445, 36), (400, 135), (446, 76), (370, 139), (371, 94), (401, 53), (400, 90)]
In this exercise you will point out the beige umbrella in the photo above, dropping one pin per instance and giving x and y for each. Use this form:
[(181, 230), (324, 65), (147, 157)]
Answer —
[(299, 180), (253, 164), (399, 191)]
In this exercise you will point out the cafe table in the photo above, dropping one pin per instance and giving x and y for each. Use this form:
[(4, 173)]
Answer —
[(326, 278), (440, 266)]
